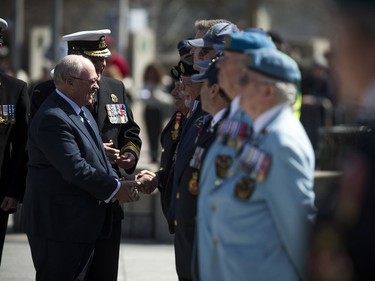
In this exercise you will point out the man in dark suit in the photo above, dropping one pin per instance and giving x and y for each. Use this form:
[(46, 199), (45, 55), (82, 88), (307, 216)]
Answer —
[(118, 131), (70, 180), (14, 113)]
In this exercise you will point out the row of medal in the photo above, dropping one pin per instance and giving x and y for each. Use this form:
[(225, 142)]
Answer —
[(253, 162), (7, 114), (233, 133), (117, 113)]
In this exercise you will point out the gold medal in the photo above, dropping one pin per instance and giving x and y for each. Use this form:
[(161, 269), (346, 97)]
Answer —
[(176, 127), (244, 188), (223, 163), (174, 132), (193, 184), (114, 98)]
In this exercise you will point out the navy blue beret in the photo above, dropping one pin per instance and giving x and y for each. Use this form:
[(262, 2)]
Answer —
[(183, 47)]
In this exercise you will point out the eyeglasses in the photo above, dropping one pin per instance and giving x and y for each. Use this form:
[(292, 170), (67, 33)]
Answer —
[(91, 81)]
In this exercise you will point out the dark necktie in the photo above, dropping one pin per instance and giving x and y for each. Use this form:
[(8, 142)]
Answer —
[(88, 126)]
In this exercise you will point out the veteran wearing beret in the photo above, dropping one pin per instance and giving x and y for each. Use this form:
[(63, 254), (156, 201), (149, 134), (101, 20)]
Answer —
[(236, 128), (256, 227), (14, 114), (118, 130)]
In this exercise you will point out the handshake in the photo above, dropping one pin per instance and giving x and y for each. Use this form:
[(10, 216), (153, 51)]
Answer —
[(145, 182)]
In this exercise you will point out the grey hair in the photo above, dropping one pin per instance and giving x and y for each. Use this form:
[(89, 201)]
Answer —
[(286, 92), (70, 65), (206, 24)]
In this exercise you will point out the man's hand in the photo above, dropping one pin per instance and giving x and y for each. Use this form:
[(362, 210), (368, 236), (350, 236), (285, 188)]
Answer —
[(112, 153), (126, 161), (9, 203), (148, 181), (128, 191)]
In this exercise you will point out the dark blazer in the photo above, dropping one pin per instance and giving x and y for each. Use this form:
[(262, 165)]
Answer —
[(186, 205), (185, 150), (169, 139), (124, 136), (68, 176), (13, 137)]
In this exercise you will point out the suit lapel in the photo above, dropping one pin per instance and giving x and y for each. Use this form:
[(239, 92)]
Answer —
[(76, 119)]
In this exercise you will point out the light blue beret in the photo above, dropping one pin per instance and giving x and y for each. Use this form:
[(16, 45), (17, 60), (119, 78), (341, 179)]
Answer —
[(247, 40), (274, 64)]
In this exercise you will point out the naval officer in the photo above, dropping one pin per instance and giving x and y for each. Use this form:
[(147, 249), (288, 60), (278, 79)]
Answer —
[(14, 114)]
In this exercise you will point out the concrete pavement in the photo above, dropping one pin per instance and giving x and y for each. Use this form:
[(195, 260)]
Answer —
[(139, 260)]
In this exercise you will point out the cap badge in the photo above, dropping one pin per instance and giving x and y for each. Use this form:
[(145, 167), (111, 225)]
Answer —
[(114, 98), (102, 44)]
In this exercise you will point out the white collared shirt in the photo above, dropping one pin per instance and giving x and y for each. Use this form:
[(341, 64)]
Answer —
[(217, 117), (75, 106), (234, 105)]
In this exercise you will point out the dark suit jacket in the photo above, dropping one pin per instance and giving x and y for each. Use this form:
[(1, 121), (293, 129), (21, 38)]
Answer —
[(186, 205), (13, 137), (124, 136), (165, 174), (68, 176), (185, 150)]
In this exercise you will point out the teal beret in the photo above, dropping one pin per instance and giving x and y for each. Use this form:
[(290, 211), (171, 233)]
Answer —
[(247, 40), (274, 64)]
